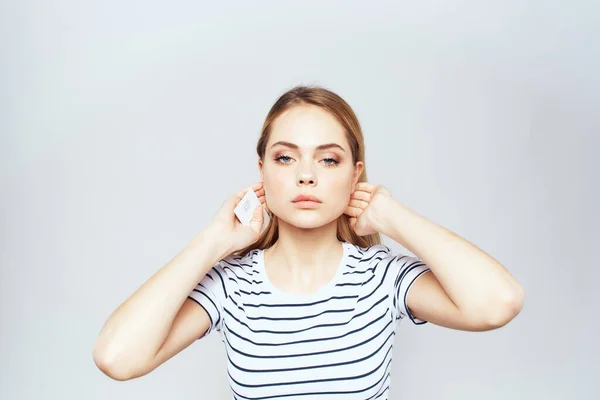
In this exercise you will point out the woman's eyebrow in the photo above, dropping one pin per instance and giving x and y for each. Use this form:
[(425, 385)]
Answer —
[(320, 147)]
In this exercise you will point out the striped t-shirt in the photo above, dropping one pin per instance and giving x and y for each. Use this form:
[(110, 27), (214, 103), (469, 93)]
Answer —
[(335, 343)]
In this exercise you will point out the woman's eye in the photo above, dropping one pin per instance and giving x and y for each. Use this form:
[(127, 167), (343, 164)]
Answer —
[(333, 161), (282, 157), (329, 162)]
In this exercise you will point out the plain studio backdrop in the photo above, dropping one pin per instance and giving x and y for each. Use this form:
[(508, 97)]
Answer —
[(125, 124)]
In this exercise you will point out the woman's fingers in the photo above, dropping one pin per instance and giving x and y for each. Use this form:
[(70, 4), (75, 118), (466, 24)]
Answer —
[(358, 203), (353, 211), (361, 195), (257, 187)]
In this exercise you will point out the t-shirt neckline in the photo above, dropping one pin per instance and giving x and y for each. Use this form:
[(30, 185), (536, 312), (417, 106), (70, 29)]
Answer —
[(320, 292)]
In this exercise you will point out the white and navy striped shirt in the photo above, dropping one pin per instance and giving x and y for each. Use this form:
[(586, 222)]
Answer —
[(335, 343)]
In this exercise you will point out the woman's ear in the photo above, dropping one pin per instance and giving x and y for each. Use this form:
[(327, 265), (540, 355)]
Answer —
[(358, 169), (260, 169)]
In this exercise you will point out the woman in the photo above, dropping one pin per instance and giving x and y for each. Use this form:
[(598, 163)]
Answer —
[(309, 306)]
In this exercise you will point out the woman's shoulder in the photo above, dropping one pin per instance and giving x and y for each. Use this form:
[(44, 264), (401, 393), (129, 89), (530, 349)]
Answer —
[(368, 252), (233, 263)]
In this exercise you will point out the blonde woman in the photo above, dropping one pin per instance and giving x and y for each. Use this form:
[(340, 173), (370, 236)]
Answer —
[(308, 307)]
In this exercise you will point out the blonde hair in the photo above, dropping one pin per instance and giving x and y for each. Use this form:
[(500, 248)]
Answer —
[(336, 106)]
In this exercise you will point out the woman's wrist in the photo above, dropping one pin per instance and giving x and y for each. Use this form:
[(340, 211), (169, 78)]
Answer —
[(213, 239)]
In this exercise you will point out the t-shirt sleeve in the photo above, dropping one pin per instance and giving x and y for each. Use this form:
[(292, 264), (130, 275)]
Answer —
[(405, 270), (210, 293)]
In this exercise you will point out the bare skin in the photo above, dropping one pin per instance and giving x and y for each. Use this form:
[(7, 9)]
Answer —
[(307, 251)]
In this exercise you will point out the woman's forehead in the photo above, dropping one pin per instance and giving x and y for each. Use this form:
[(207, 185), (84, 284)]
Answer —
[(307, 127)]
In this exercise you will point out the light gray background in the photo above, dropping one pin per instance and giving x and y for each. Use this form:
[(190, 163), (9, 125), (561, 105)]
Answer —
[(125, 124)]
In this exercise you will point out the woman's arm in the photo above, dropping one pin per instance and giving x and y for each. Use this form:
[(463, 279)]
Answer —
[(468, 290), (156, 322)]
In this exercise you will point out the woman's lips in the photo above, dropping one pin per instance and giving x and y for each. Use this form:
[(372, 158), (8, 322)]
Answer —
[(306, 204)]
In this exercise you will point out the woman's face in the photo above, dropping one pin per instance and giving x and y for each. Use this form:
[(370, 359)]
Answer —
[(300, 167)]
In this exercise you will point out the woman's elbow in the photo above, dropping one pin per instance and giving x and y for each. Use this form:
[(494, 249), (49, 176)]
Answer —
[(110, 366), (511, 306)]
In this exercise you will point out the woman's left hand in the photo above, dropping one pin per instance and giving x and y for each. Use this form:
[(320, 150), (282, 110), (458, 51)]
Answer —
[(367, 206)]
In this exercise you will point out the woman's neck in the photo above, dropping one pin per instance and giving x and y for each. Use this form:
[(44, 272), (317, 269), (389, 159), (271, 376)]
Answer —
[(301, 249)]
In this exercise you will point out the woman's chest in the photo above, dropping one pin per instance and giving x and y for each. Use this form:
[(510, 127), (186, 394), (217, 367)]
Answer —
[(328, 342)]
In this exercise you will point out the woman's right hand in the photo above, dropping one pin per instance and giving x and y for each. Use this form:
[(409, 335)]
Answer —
[(226, 222)]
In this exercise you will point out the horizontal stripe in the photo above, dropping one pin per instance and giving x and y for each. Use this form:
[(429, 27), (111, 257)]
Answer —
[(336, 343)]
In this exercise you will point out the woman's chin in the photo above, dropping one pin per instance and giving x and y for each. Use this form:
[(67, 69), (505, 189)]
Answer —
[(307, 219)]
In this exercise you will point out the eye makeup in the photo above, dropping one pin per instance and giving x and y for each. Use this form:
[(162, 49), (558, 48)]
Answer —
[(330, 161)]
